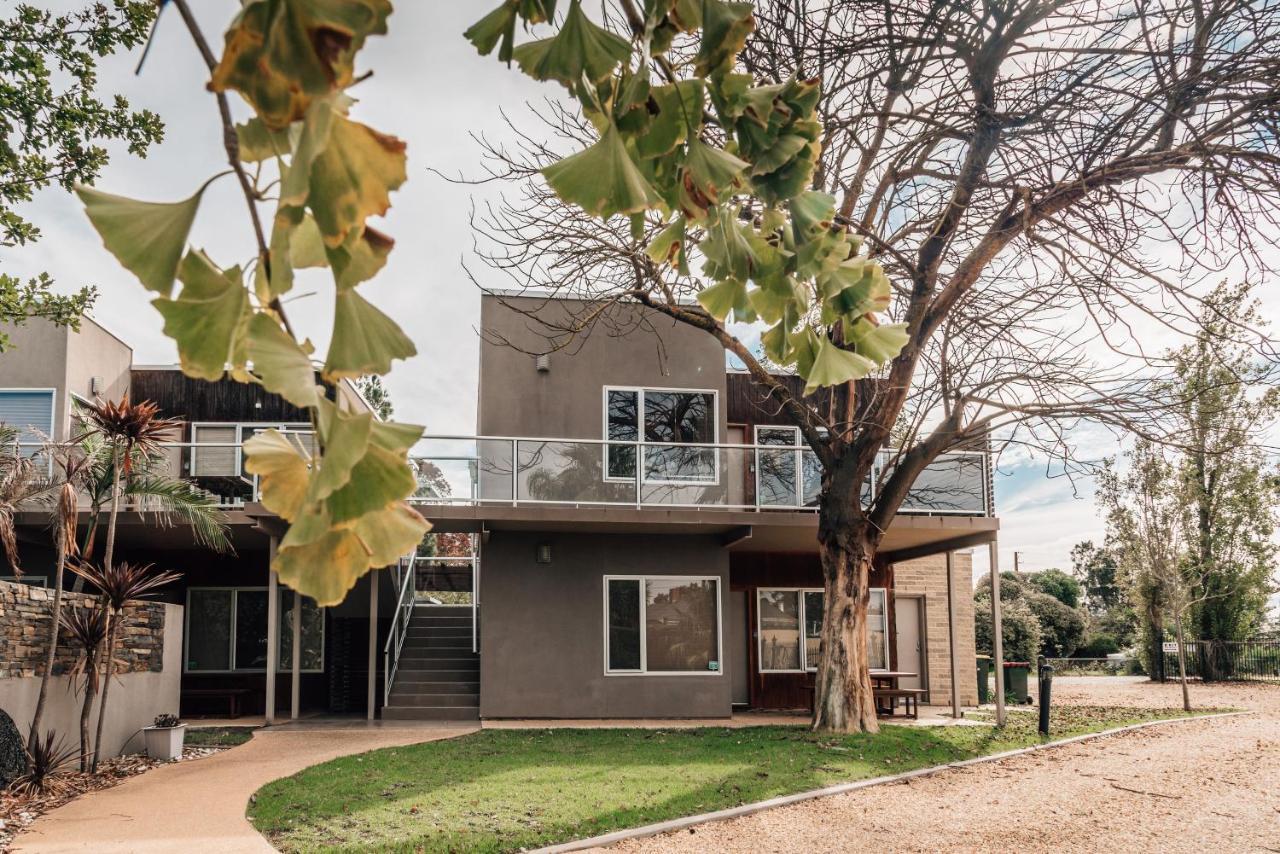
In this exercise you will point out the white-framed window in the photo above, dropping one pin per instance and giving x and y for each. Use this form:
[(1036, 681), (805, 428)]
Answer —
[(789, 629), (790, 476), (224, 457), (666, 419), (662, 624), (226, 631)]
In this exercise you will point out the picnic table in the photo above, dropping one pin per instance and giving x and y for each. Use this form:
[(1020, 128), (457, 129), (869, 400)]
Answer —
[(887, 691)]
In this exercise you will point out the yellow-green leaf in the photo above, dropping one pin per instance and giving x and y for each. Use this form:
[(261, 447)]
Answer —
[(602, 180), (391, 533), (498, 25), (352, 178), (365, 340), (282, 470), (324, 569), (346, 442), (207, 321), (147, 238), (679, 108), (834, 366), (257, 142), (280, 362), (723, 297), (306, 246), (280, 54), (879, 343), (378, 478), (725, 27), (708, 175), (360, 258), (580, 47)]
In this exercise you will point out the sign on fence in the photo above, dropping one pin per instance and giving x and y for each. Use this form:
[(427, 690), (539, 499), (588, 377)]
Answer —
[(1170, 646)]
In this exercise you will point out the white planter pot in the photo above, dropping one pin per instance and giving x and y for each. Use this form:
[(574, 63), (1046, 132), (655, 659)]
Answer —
[(164, 742)]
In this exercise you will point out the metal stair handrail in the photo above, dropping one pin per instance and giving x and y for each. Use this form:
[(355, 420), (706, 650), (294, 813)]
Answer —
[(399, 627)]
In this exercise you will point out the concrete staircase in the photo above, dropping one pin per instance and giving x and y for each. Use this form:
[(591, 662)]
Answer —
[(438, 677)]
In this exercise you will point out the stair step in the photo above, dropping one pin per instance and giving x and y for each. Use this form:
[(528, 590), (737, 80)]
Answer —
[(428, 700), (422, 646), (430, 713), (415, 676), (439, 686), (444, 619), (436, 658)]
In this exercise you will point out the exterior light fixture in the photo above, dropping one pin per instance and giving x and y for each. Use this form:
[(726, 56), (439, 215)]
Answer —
[(543, 363), (544, 553)]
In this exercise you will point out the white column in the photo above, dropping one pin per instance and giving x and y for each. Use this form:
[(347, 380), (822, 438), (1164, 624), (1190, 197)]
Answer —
[(997, 630), (273, 634), (373, 643), (295, 684), (951, 638)]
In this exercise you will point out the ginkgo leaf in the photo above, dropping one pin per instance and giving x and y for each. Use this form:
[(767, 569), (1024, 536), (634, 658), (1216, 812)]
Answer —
[(834, 366), (306, 246), (257, 142), (725, 27), (280, 54), (723, 297), (360, 258), (391, 533), (777, 156), (708, 174), (365, 341), (498, 25), (857, 287), (879, 343), (812, 212), (679, 111), (580, 47), (395, 436), (602, 180), (667, 247), (378, 478), (147, 238), (280, 363), (208, 319), (324, 569), (352, 178), (282, 472), (346, 442)]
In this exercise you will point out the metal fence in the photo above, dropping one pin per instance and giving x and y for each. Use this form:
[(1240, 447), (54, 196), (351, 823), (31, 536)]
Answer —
[(1214, 661), (1122, 666)]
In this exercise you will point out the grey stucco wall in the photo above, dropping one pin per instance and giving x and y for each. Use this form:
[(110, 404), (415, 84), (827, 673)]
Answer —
[(135, 699), (630, 346), (542, 628)]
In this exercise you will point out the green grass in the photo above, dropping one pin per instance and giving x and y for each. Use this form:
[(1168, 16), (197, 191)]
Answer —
[(502, 790), (218, 736)]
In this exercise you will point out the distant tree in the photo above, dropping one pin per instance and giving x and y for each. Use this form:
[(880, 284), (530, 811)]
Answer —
[(1019, 628), (1095, 568), (51, 123), (1062, 627), (1058, 584), (1228, 401), (376, 395)]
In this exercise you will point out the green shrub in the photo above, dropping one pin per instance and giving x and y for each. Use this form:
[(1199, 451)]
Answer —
[(1020, 630), (1097, 645), (1058, 584), (1061, 627)]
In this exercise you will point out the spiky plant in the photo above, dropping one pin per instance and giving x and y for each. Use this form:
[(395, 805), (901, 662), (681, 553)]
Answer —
[(71, 466), (20, 482), (47, 761), (87, 627), (118, 584), (132, 430)]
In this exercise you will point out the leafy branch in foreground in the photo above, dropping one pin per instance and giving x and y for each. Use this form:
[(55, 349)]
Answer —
[(292, 61)]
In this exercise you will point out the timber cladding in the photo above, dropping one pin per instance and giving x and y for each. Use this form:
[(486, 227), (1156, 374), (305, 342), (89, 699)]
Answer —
[(25, 615), (180, 396)]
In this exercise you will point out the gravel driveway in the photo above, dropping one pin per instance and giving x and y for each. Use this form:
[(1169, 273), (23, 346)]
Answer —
[(1209, 785)]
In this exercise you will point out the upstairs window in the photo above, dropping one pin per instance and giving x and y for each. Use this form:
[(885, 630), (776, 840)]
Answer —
[(665, 420), (30, 412)]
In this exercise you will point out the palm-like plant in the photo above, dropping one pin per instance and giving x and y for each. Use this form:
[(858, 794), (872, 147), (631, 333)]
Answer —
[(88, 628), (20, 482), (71, 466), (47, 761), (117, 584), (130, 429)]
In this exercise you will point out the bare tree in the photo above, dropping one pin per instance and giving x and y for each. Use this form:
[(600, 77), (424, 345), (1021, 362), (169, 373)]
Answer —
[(1046, 184)]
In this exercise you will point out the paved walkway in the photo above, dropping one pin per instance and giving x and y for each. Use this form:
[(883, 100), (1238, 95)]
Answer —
[(199, 805), (1209, 785)]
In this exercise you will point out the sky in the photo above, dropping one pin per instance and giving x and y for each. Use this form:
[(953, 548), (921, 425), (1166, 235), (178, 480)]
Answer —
[(430, 89)]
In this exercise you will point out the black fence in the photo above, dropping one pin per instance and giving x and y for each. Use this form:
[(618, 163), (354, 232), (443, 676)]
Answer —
[(1214, 661)]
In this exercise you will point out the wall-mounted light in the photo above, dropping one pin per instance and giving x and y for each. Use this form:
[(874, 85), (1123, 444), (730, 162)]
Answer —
[(95, 385), (543, 363), (544, 553)]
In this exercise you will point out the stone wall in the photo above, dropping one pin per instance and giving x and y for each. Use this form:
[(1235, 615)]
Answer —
[(25, 615), (927, 577)]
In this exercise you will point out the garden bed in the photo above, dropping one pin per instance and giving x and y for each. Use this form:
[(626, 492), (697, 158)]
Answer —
[(503, 790)]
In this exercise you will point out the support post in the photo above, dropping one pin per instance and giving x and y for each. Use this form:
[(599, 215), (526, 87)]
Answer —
[(951, 637), (273, 634), (295, 684), (997, 630), (373, 642)]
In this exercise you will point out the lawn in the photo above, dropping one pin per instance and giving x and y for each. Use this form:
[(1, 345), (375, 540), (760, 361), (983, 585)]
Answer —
[(218, 736), (503, 790)]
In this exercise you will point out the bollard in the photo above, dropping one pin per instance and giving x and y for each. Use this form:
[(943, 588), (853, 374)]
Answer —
[(1046, 685)]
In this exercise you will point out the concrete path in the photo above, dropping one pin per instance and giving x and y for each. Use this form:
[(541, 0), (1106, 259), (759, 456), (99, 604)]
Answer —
[(1211, 785), (199, 805)]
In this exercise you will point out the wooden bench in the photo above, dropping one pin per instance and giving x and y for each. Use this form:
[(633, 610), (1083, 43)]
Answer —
[(233, 696), (910, 698)]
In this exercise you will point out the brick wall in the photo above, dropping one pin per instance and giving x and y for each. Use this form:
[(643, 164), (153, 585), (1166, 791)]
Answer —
[(927, 577), (25, 615)]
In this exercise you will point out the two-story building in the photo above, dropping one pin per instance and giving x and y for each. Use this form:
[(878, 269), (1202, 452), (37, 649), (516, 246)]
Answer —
[(630, 533)]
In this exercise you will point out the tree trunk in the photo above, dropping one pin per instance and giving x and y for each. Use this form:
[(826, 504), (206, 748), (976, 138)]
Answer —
[(1182, 661), (90, 691), (842, 700), (108, 670), (109, 554), (53, 637)]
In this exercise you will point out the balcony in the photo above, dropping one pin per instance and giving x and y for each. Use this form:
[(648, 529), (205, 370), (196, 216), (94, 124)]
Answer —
[(514, 471)]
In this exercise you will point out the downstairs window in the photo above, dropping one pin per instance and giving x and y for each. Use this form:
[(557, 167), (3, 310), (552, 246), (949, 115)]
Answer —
[(662, 624), (790, 629)]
